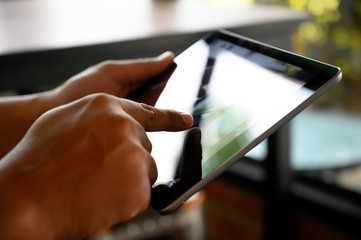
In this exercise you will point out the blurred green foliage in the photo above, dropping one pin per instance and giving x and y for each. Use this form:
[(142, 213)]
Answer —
[(332, 35)]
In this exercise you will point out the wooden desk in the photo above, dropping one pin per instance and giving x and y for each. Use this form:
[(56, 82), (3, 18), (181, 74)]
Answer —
[(43, 42)]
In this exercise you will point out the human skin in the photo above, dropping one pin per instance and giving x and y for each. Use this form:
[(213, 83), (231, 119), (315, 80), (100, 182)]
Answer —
[(86, 163), (117, 78)]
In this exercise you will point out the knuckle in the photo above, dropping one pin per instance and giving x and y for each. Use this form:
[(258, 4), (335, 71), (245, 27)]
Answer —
[(111, 67), (136, 151), (100, 67), (100, 99), (142, 161), (98, 109), (100, 103), (150, 145), (153, 171), (127, 125), (151, 112), (96, 99), (105, 65)]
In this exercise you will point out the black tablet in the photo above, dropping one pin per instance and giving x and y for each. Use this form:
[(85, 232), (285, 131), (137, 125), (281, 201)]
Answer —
[(239, 91)]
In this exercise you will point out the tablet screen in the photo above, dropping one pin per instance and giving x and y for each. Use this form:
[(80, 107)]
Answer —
[(236, 91)]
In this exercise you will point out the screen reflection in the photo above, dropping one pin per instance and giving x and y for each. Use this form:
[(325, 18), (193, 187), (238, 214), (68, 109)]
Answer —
[(188, 171), (234, 94)]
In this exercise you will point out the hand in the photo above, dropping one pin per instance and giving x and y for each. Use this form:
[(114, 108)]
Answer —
[(81, 167), (118, 78)]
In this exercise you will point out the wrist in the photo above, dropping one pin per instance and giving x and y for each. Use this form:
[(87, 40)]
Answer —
[(19, 113)]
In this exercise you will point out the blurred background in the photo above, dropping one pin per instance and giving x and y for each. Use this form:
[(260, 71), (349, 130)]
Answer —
[(317, 191)]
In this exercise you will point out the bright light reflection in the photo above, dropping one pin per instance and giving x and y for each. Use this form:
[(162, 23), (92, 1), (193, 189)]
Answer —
[(250, 91), (242, 96), (181, 89)]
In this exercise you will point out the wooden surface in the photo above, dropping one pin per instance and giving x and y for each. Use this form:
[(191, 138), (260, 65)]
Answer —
[(31, 25)]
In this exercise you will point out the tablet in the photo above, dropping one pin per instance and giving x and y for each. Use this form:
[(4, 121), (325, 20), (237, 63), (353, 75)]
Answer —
[(239, 91)]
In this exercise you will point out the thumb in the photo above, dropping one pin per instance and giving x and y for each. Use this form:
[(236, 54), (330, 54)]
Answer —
[(155, 119)]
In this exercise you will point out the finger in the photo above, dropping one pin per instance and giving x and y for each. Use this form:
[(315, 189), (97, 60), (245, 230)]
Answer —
[(150, 91), (135, 72), (149, 67), (190, 170), (153, 172), (155, 119), (146, 143)]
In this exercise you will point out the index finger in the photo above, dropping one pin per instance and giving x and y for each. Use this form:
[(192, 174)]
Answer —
[(155, 119)]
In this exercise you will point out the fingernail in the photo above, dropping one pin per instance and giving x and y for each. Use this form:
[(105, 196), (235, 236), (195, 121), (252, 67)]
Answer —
[(187, 119)]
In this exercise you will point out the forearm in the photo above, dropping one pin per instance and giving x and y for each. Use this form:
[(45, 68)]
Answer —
[(17, 114)]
